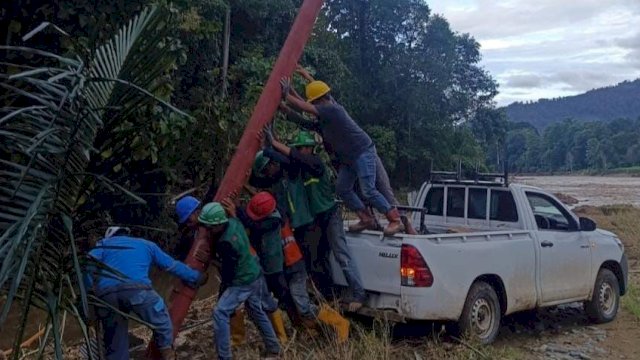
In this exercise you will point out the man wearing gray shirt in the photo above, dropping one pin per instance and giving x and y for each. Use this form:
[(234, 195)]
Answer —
[(353, 149)]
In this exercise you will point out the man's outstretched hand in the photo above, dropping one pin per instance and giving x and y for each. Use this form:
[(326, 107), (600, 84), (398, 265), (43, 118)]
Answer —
[(229, 206), (285, 84), (202, 279)]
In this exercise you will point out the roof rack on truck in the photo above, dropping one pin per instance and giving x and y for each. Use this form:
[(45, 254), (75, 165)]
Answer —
[(469, 178)]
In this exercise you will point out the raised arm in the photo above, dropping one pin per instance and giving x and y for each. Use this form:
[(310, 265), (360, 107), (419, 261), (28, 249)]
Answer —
[(304, 73), (296, 102), (174, 267), (298, 119)]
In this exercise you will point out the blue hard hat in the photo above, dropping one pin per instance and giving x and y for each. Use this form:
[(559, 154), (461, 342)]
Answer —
[(185, 207)]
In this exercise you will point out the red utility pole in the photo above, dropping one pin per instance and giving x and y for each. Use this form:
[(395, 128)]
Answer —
[(239, 169)]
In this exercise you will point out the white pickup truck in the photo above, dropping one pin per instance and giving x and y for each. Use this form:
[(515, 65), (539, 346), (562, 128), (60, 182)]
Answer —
[(489, 250)]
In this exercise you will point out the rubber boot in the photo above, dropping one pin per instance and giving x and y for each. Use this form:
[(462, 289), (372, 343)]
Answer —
[(168, 354), (409, 229), (238, 330), (330, 317), (278, 326), (395, 225), (367, 222)]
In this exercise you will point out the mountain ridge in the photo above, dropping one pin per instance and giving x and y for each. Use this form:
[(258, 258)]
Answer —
[(602, 104)]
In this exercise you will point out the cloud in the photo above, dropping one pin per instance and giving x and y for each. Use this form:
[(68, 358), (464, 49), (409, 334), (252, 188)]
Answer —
[(524, 81), (631, 42), (550, 48)]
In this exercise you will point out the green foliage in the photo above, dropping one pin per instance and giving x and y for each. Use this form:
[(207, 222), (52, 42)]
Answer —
[(51, 118), (395, 66), (572, 146)]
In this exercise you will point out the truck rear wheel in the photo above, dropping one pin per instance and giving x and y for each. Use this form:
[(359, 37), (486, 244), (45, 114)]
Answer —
[(481, 315), (604, 303)]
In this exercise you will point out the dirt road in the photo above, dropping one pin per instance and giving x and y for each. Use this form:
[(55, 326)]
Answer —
[(564, 332)]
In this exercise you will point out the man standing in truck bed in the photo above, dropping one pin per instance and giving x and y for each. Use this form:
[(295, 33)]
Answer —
[(354, 150)]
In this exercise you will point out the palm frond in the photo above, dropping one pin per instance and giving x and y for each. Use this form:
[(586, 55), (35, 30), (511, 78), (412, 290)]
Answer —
[(49, 121)]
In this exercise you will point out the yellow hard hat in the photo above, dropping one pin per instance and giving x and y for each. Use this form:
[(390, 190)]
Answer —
[(316, 89)]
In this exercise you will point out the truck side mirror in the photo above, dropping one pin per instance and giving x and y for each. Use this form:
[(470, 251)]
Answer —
[(587, 224)]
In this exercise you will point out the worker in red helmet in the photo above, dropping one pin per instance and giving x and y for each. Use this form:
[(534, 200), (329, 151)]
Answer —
[(263, 221)]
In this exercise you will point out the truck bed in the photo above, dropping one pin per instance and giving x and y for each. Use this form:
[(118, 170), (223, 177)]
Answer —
[(465, 255)]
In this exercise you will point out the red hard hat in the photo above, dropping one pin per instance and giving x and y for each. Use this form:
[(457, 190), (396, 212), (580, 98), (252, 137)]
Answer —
[(261, 205)]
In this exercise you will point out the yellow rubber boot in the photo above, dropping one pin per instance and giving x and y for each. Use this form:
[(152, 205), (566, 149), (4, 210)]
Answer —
[(278, 326), (238, 330), (330, 317)]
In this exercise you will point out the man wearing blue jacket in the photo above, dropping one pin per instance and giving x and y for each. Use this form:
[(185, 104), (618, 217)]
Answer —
[(127, 287)]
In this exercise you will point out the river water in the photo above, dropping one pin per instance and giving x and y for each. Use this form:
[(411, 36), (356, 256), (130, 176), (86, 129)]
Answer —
[(590, 190)]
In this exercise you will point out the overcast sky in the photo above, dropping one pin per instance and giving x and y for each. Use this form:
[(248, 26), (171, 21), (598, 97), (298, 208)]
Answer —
[(548, 48)]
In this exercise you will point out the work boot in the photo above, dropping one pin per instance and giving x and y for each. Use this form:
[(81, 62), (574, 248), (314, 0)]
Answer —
[(395, 225), (332, 318), (168, 354), (409, 229), (238, 330), (278, 326), (367, 222)]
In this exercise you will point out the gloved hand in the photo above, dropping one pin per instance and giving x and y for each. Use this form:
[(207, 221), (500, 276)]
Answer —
[(285, 84), (204, 277)]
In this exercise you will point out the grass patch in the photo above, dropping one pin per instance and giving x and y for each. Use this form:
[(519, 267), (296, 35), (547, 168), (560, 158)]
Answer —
[(620, 219), (631, 301)]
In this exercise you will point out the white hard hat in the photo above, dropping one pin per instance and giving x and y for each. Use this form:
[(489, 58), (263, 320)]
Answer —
[(113, 230)]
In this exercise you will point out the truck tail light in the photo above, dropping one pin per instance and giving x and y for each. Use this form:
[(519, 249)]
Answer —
[(413, 269)]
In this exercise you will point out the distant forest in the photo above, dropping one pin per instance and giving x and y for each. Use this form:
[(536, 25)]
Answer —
[(572, 145), (621, 101)]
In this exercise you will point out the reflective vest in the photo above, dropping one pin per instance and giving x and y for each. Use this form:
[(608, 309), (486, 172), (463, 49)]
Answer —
[(292, 253)]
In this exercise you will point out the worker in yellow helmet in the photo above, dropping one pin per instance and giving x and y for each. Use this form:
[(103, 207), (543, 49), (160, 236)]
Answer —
[(354, 150)]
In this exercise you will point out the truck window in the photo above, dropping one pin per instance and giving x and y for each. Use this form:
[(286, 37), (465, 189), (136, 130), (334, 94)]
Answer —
[(503, 207), (549, 214), (434, 202), (455, 202), (477, 208)]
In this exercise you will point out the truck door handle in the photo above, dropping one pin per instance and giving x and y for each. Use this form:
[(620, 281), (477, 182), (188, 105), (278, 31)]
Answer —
[(546, 244)]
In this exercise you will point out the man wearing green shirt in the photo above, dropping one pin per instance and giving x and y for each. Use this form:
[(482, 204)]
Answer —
[(323, 206), (241, 280)]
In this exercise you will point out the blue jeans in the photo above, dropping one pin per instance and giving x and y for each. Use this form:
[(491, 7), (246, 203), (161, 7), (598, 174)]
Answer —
[(333, 234), (228, 302), (364, 169), (142, 301), (269, 304), (297, 278)]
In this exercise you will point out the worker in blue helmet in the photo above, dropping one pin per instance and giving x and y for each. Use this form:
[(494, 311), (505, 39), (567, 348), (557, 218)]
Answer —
[(187, 211), (122, 281)]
